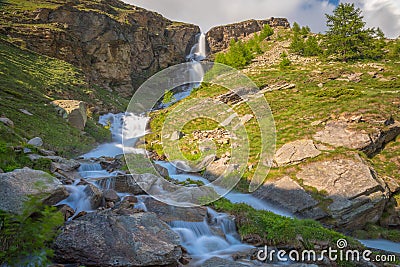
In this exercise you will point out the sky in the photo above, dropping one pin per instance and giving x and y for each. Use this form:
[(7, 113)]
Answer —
[(209, 13)]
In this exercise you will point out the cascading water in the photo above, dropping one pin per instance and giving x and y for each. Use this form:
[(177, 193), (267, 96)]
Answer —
[(200, 239), (136, 127), (198, 51)]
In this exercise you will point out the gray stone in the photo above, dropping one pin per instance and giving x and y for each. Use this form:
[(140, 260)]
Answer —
[(37, 141), (16, 186), (74, 111), (286, 193), (295, 152), (63, 164), (358, 196), (110, 195), (345, 134), (177, 135), (94, 194), (169, 213), (107, 239), (7, 122), (25, 112)]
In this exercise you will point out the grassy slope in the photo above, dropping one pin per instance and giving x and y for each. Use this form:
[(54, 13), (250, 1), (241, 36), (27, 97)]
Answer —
[(294, 111), (31, 81)]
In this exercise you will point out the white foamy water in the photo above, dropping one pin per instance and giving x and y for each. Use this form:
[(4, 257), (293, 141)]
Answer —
[(125, 126)]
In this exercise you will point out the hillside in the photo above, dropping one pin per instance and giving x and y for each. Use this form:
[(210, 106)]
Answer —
[(334, 121), (116, 45)]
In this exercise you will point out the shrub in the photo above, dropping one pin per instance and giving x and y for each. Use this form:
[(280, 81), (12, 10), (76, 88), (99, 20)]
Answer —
[(285, 62), (168, 97), (241, 53), (311, 47), (25, 238)]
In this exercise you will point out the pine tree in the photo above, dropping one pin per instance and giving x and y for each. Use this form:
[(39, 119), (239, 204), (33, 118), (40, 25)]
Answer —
[(346, 36)]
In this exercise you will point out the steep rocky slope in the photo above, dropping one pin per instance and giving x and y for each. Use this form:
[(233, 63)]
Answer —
[(117, 45)]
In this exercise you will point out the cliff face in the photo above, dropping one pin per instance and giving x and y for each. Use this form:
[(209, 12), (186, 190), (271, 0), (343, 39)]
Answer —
[(218, 38), (117, 45)]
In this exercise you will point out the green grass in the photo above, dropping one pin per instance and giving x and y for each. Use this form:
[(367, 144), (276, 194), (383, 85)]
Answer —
[(276, 230), (30, 81)]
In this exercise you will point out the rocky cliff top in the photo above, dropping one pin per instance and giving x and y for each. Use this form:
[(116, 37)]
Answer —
[(218, 38)]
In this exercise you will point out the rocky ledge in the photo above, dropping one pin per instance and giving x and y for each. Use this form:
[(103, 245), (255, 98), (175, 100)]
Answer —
[(219, 37)]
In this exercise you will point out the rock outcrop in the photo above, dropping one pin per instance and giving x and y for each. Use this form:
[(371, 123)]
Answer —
[(109, 239), (218, 38), (342, 192), (117, 45), (73, 111), (16, 186), (295, 152), (356, 195), (348, 133)]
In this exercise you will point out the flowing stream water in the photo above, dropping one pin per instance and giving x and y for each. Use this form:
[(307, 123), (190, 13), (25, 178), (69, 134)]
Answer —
[(200, 239)]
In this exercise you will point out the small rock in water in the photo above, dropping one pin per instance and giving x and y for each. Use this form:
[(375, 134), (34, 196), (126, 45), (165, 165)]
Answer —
[(37, 141), (110, 195), (83, 182), (67, 211)]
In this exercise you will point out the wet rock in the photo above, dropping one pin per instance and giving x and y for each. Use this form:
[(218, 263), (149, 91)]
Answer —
[(66, 210), (16, 186), (7, 122), (110, 195), (94, 194), (357, 196), (216, 168), (62, 164), (295, 152), (107, 239), (135, 184), (73, 111), (37, 142), (168, 213)]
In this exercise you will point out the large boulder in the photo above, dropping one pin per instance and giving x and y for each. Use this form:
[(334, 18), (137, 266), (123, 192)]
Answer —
[(356, 196), (285, 192), (350, 134), (73, 111), (295, 152), (16, 186), (169, 213), (108, 239)]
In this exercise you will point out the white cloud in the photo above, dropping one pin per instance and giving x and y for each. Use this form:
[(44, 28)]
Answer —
[(208, 13), (381, 13)]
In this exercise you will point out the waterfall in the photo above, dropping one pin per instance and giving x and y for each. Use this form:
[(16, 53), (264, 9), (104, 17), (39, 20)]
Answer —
[(135, 127), (198, 51)]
